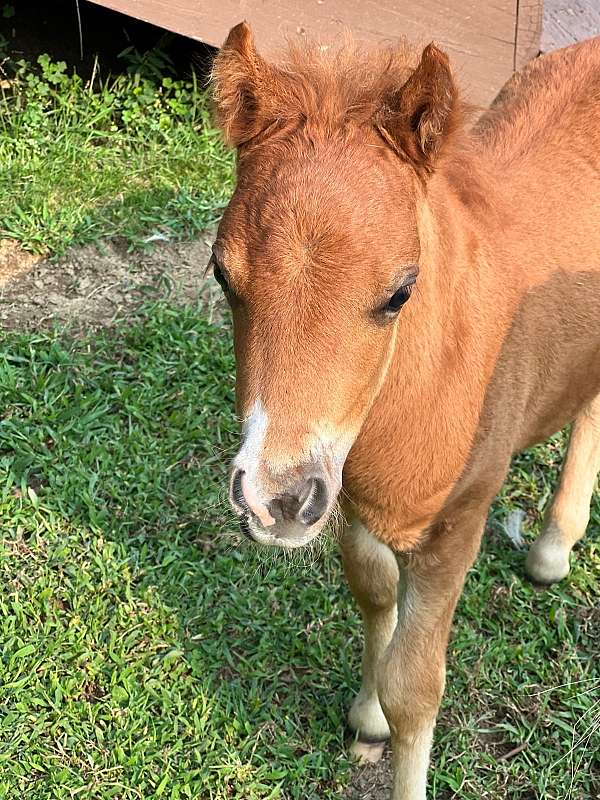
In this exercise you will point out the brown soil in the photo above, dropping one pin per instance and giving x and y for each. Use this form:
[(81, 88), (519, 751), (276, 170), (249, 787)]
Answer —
[(371, 781), (92, 287), (14, 261)]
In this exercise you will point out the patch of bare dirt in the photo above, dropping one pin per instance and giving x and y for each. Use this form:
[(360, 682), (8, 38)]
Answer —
[(371, 781), (93, 287), (14, 261)]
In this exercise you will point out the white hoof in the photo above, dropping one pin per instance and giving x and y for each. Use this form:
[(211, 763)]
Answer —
[(547, 561), (367, 719), (367, 752)]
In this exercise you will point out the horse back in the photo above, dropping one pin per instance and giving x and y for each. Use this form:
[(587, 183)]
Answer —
[(541, 140)]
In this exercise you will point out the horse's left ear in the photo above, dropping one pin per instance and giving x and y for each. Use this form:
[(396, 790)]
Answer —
[(417, 118), (243, 86)]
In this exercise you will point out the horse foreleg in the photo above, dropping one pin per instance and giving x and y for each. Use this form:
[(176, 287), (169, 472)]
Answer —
[(372, 573), (412, 671)]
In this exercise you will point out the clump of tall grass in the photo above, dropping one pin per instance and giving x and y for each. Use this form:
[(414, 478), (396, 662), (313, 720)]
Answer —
[(130, 155)]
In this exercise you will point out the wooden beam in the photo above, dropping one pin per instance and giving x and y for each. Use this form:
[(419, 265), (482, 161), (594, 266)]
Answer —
[(528, 31), (569, 22), (483, 39)]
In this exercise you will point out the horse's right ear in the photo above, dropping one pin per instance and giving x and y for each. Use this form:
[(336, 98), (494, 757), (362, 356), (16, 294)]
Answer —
[(418, 118), (242, 84)]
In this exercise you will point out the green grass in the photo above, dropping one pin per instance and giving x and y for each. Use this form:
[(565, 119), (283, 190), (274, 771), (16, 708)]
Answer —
[(130, 156), (144, 654)]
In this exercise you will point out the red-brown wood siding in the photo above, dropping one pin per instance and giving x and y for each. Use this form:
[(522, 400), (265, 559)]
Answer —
[(486, 41)]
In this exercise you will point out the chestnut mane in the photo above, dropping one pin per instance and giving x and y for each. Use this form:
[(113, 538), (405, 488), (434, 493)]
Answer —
[(331, 86), (410, 98)]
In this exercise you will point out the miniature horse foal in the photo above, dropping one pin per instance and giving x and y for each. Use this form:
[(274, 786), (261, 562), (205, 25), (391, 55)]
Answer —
[(412, 304)]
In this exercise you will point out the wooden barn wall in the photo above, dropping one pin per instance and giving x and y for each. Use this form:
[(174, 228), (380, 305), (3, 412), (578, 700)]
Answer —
[(486, 40)]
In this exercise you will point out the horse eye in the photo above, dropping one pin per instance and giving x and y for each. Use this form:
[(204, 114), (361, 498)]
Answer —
[(398, 299), (219, 275)]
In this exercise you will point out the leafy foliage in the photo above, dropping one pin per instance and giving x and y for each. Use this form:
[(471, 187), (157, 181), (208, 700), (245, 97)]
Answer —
[(132, 155)]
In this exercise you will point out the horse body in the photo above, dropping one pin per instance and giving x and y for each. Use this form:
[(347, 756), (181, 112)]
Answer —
[(512, 343), (420, 382)]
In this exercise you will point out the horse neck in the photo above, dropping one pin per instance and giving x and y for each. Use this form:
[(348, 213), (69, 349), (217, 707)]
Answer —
[(453, 332), (425, 417)]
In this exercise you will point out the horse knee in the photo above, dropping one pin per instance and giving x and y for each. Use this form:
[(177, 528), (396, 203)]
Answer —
[(371, 570), (410, 690)]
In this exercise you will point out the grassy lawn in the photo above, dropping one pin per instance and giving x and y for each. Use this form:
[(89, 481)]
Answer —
[(145, 652), (129, 156)]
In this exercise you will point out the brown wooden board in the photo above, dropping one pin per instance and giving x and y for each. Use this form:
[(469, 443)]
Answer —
[(528, 31), (485, 40)]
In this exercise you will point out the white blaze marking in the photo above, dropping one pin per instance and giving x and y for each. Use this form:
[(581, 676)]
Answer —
[(254, 431)]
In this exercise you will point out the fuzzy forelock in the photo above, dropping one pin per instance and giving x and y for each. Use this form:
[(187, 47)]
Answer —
[(334, 85), (326, 85)]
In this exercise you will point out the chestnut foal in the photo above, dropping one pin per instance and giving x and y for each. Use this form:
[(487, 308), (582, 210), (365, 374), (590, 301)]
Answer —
[(412, 303)]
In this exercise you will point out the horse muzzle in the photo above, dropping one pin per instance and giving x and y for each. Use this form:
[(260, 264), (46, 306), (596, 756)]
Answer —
[(287, 512)]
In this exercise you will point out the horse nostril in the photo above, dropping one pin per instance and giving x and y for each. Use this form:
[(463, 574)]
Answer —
[(237, 492), (306, 504), (315, 504)]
